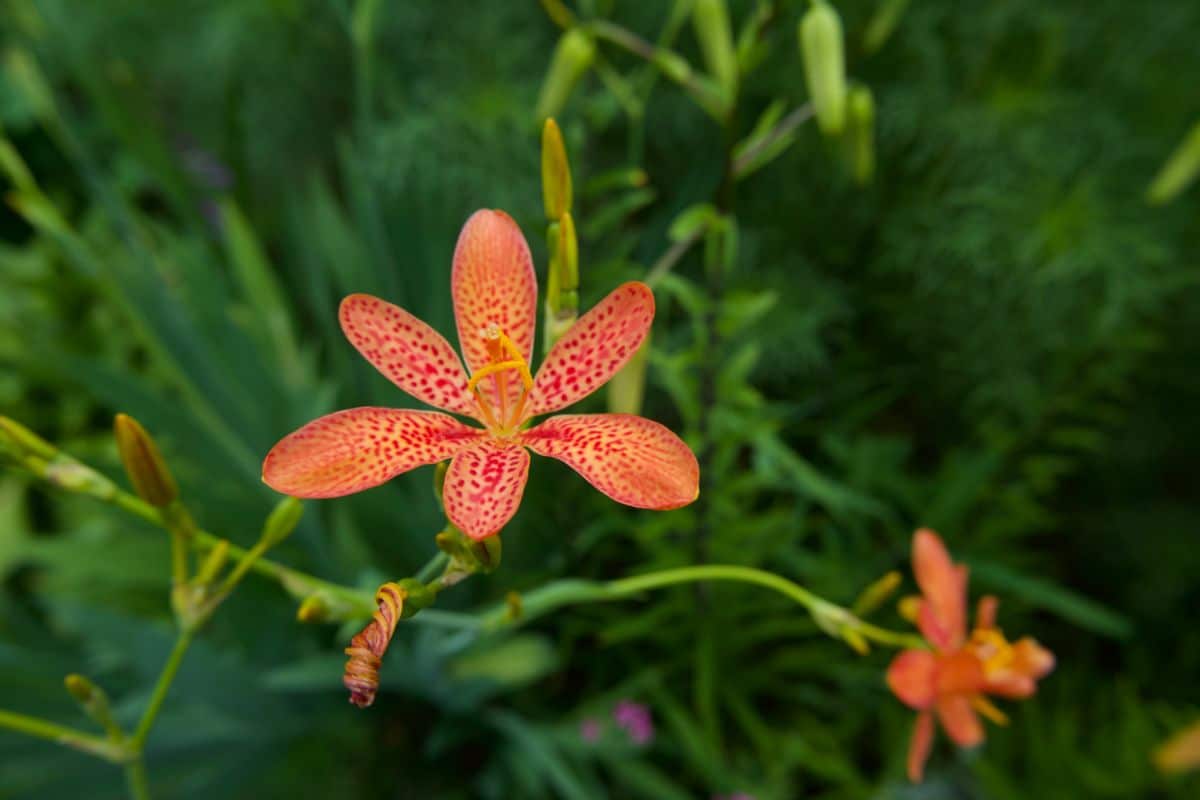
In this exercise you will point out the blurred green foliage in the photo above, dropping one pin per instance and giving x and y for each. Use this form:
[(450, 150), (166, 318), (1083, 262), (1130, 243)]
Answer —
[(996, 338)]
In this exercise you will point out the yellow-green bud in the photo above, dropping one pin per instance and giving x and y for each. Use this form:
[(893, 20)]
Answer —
[(313, 609), (144, 463), (1180, 170), (877, 593), (82, 689), (883, 23), (556, 172), (572, 57), (860, 108), (825, 65), (282, 520), (710, 18), (562, 284), (627, 388), (23, 441)]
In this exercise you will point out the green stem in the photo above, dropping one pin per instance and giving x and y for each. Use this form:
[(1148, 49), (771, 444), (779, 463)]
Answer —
[(165, 679), (433, 567), (52, 731), (135, 776), (830, 616)]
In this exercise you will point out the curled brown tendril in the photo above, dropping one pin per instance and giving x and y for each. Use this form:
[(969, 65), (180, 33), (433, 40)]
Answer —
[(366, 649)]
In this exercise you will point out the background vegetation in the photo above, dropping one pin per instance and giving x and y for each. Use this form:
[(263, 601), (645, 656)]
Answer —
[(997, 338)]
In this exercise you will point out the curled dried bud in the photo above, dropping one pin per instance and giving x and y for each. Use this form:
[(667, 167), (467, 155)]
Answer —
[(366, 649), (556, 172), (572, 57), (144, 463), (825, 65)]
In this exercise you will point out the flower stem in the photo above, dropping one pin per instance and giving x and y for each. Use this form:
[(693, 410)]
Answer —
[(45, 729), (135, 777), (831, 617), (165, 679)]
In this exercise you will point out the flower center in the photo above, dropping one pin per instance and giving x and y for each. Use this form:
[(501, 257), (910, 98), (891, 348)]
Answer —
[(502, 417), (992, 649)]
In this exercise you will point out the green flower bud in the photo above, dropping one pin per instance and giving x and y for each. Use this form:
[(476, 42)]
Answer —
[(860, 107), (1180, 170), (710, 18), (877, 593), (23, 442), (883, 23), (282, 520), (627, 388), (572, 57), (562, 284), (824, 65), (144, 463), (556, 172)]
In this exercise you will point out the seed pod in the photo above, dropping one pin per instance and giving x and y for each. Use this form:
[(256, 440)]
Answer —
[(860, 107), (556, 172), (825, 65), (144, 463), (710, 18), (572, 57)]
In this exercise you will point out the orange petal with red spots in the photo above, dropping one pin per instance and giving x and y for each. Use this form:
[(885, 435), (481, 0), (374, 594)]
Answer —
[(359, 448), (911, 677), (959, 720), (1030, 658), (407, 351), (484, 486), (943, 617), (919, 746), (493, 283), (595, 347), (958, 673), (631, 459)]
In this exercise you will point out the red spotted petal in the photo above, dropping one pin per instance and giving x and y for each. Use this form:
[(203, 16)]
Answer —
[(407, 351), (919, 747), (959, 673), (911, 677), (943, 617), (595, 347), (631, 459), (484, 486), (356, 449), (959, 720), (493, 283)]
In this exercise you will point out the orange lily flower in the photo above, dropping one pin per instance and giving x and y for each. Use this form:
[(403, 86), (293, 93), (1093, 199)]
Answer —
[(953, 679), (631, 459)]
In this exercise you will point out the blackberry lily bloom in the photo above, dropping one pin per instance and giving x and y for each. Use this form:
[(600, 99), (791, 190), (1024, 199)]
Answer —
[(631, 459), (953, 679)]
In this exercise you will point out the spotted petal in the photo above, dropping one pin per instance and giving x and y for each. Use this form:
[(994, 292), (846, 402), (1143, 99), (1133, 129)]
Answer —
[(407, 351), (356, 449), (943, 614), (631, 459), (484, 485), (911, 677), (595, 347), (493, 283), (959, 720), (919, 746)]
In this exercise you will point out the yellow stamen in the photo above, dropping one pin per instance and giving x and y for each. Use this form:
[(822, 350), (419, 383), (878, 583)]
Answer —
[(985, 707), (991, 646), (505, 356)]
